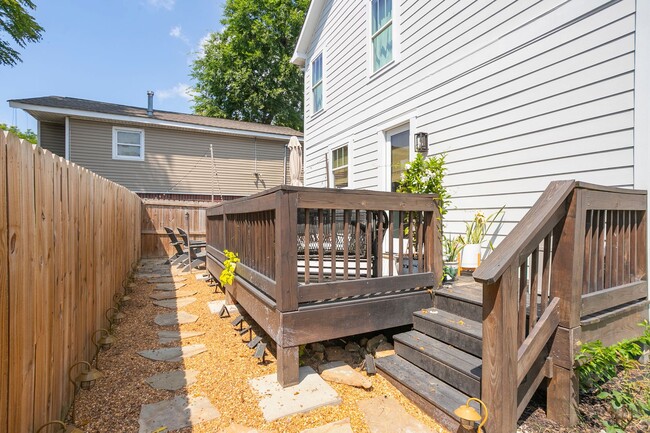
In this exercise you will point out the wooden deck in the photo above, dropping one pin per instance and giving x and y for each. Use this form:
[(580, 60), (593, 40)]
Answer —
[(319, 264)]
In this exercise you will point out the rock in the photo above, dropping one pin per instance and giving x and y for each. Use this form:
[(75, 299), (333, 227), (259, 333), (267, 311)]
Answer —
[(317, 347), (178, 318), (384, 349), (363, 342), (340, 372), (318, 356), (166, 287), (385, 415), (173, 380), (342, 426), (352, 347), (174, 304), (336, 353), (173, 354), (372, 344), (176, 414)]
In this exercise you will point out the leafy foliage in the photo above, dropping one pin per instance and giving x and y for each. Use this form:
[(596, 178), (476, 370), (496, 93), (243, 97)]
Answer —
[(425, 176), (476, 230), (227, 276), (28, 135), (246, 73), (597, 365), (20, 26)]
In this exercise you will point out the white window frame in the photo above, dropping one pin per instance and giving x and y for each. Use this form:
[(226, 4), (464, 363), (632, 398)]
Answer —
[(320, 54), (395, 20), (347, 145), (128, 158)]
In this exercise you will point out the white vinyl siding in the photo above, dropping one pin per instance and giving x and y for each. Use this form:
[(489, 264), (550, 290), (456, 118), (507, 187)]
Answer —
[(516, 94), (317, 83), (128, 144)]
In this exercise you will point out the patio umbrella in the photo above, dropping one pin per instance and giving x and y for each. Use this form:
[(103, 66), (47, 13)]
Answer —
[(295, 161)]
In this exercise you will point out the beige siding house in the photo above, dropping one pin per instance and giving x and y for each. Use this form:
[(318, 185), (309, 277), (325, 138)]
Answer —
[(162, 154)]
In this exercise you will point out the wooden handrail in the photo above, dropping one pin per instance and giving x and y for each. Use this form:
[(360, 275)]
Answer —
[(528, 233)]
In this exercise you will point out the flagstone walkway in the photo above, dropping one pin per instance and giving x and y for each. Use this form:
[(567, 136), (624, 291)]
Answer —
[(177, 366)]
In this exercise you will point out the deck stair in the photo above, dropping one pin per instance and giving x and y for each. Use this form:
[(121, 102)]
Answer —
[(438, 363)]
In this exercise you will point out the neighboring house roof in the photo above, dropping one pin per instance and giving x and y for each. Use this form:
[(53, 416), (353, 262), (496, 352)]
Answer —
[(103, 110), (307, 32)]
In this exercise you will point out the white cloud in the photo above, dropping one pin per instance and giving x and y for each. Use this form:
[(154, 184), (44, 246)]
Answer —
[(164, 4), (200, 48), (177, 32), (181, 90)]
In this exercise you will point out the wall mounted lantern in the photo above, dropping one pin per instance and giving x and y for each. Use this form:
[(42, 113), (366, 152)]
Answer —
[(421, 142)]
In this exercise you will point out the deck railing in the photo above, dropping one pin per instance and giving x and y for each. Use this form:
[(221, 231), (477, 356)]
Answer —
[(581, 249), (307, 245)]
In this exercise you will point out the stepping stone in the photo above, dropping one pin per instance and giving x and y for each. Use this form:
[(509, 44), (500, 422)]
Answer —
[(167, 279), (342, 426), (340, 372), (202, 277), (169, 286), (216, 306), (173, 380), (179, 318), (165, 337), (311, 392), (174, 304), (385, 415), (173, 354), (175, 414), (172, 295)]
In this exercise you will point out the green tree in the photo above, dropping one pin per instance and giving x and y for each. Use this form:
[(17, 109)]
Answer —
[(28, 135), (19, 25), (245, 72)]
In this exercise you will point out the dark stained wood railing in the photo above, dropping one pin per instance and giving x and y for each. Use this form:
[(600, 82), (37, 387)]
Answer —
[(326, 244), (581, 249)]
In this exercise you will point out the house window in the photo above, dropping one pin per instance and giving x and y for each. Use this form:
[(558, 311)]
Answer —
[(381, 33), (317, 83), (128, 143), (340, 167)]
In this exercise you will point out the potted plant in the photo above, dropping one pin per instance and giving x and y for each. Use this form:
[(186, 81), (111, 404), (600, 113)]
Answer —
[(451, 249), (474, 237)]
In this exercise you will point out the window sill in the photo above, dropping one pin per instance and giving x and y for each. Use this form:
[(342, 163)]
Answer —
[(126, 158), (318, 113), (384, 69)]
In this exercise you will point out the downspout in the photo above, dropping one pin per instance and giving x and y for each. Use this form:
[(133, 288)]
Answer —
[(67, 138)]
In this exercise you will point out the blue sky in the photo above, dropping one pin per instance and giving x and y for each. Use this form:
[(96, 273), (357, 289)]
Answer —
[(112, 51)]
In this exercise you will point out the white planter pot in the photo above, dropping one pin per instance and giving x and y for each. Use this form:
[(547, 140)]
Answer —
[(471, 256)]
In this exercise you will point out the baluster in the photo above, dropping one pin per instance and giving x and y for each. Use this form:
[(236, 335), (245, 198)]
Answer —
[(380, 243), (633, 245), (546, 272), (609, 241), (391, 215), (368, 244), (534, 284), (357, 238), (589, 244), (346, 242), (400, 244), (627, 242), (307, 244), (411, 223), (333, 243), (321, 235), (600, 275), (523, 289)]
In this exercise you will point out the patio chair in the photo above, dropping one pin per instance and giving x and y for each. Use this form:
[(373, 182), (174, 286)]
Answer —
[(180, 255), (196, 257)]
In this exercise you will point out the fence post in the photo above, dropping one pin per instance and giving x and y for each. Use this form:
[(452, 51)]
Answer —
[(566, 284), (499, 379)]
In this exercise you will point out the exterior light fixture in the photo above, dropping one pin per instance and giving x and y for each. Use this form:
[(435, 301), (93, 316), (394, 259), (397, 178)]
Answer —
[(105, 341), (421, 142), (86, 378), (115, 318), (62, 427), (469, 416)]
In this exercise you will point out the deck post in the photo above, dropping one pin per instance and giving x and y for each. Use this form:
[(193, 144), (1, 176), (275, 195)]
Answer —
[(288, 365), (499, 384), (566, 284)]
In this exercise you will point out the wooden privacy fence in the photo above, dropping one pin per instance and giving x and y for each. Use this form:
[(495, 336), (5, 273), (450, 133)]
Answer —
[(68, 238), (156, 214)]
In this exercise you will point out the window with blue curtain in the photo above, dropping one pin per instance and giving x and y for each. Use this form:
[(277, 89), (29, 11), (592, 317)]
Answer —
[(317, 83), (382, 33)]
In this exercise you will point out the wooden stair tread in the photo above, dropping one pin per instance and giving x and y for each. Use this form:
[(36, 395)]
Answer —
[(451, 320), (431, 389), (468, 291), (453, 357)]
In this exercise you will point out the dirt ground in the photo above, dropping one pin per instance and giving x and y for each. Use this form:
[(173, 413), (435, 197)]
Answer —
[(113, 405)]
